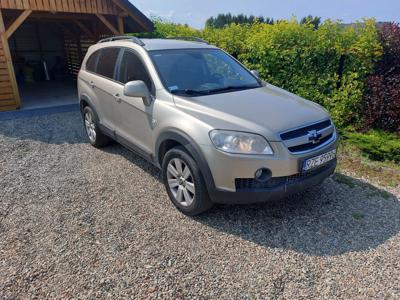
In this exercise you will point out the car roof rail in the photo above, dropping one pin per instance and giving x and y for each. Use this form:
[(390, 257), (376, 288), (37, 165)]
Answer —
[(188, 38), (133, 39)]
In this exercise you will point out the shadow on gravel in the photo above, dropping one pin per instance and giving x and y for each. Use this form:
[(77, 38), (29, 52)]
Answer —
[(117, 149), (342, 215)]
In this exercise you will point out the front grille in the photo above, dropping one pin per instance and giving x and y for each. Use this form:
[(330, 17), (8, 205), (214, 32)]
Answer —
[(304, 130), (253, 184), (309, 137), (310, 146)]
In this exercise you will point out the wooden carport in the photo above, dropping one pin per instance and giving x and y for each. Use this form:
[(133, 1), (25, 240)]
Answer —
[(82, 22)]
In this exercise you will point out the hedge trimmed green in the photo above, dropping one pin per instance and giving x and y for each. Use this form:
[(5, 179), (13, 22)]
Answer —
[(327, 65), (376, 144)]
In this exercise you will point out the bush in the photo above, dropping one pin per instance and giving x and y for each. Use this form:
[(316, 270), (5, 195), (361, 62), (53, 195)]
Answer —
[(165, 29), (377, 145), (327, 65), (382, 95)]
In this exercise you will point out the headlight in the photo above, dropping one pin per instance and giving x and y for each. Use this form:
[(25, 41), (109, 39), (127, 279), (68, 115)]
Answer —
[(240, 142)]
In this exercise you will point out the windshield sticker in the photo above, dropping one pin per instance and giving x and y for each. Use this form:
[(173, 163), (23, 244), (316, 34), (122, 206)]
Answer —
[(173, 88)]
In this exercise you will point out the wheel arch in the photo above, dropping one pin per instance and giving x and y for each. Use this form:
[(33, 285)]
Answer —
[(84, 100), (175, 137)]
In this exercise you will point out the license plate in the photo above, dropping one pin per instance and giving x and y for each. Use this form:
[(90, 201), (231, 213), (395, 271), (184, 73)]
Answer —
[(319, 160)]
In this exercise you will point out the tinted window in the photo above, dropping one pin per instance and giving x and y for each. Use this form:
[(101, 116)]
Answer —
[(107, 61), (91, 63), (132, 69)]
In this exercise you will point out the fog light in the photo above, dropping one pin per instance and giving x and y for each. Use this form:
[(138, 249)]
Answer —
[(263, 175)]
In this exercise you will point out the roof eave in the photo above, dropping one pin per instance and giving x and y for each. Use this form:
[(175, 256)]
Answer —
[(146, 24)]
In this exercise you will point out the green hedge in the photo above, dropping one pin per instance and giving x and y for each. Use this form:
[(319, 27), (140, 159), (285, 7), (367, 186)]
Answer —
[(376, 144), (327, 65)]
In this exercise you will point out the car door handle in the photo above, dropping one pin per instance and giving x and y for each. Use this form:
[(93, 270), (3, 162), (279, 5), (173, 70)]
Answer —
[(118, 98)]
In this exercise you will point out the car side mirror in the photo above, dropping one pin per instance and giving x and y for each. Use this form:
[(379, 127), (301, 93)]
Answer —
[(138, 89), (256, 74)]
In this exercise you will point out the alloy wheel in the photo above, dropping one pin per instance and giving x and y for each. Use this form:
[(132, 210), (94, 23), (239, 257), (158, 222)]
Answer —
[(181, 182), (90, 127)]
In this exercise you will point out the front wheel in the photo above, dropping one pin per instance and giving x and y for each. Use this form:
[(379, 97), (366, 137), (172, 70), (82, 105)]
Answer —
[(184, 182)]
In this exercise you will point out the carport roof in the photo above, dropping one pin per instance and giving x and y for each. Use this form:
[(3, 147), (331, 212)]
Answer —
[(147, 24)]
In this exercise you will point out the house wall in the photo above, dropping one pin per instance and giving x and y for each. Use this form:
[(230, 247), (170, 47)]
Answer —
[(9, 94), (7, 98)]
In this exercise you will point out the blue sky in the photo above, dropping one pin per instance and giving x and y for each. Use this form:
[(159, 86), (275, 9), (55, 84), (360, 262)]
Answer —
[(195, 12)]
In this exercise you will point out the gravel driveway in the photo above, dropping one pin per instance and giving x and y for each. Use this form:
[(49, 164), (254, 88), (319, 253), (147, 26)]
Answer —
[(77, 222)]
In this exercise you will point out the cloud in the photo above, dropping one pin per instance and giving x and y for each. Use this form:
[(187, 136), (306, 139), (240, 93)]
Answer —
[(164, 15)]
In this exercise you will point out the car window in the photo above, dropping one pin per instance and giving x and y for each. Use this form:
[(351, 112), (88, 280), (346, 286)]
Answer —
[(201, 71), (107, 62), (91, 63), (132, 69), (219, 67)]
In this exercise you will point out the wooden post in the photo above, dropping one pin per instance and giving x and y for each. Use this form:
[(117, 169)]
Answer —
[(10, 67), (133, 16), (121, 25), (14, 26)]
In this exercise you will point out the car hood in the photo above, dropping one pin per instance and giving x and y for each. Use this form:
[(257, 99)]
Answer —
[(267, 110)]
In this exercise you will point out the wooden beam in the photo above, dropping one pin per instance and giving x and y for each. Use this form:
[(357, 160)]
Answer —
[(14, 26), (84, 28), (9, 63), (61, 16), (133, 16), (108, 24), (49, 16), (121, 25), (8, 107)]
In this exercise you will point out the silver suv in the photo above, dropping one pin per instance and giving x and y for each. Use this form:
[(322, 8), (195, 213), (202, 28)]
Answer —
[(218, 133)]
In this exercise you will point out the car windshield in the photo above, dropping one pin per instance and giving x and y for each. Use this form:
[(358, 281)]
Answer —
[(196, 72)]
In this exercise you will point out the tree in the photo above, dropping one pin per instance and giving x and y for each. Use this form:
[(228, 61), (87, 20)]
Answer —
[(222, 20), (315, 21)]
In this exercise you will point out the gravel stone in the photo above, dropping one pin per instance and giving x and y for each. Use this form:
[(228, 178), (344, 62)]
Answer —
[(79, 222)]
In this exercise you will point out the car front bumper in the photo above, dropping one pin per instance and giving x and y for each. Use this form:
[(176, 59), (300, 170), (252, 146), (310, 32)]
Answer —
[(285, 186), (226, 168)]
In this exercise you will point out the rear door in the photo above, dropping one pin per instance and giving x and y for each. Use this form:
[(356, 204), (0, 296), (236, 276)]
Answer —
[(134, 119), (106, 87)]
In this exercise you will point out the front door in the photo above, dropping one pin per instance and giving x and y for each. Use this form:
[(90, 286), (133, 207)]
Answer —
[(133, 119)]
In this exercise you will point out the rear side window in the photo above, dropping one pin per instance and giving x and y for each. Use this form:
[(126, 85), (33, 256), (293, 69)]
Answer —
[(91, 63), (107, 62), (132, 69)]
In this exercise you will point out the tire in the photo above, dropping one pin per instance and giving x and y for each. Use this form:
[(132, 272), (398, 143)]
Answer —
[(93, 132), (185, 185)]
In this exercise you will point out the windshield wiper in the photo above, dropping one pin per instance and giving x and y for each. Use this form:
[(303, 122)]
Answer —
[(208, 92), (189, 92), (232, 88)]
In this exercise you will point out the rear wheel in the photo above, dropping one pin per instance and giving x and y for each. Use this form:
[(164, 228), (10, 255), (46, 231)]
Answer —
[(184, 182), (95, 136)]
